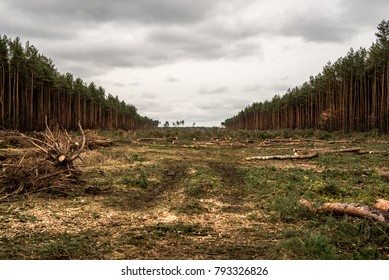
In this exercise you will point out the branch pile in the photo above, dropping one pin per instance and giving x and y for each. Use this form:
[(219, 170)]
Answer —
[(12, 139), (49, 166)]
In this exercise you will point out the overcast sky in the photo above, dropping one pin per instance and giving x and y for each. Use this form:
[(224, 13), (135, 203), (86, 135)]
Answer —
[(195, 60)]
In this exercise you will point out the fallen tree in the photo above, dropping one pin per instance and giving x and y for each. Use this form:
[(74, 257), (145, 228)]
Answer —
[(353, 209), (283, 157)]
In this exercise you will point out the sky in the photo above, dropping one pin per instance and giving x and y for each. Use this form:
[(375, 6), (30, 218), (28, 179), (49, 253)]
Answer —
[(199, 61)]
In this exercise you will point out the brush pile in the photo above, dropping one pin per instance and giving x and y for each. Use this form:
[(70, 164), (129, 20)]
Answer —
[(49, 165)]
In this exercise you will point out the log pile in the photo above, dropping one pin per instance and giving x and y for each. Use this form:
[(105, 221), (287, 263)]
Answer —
[(49, 166)]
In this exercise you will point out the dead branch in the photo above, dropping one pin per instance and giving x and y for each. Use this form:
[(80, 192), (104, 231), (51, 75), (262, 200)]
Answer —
[(283, 157), (353, 209), (289, 140), (80, 150)]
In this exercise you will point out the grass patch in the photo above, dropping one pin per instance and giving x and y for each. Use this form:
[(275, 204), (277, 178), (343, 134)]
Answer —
[(161, 230), (66, 246)]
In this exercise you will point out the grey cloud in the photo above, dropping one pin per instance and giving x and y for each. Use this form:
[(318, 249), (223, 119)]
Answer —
[(171, 79), (178, 43), (145, 11), (92, 37), (253, 88), (334, 23), (218, 90), (221, 107), (119, 84), (365, 13), (149, 95), (318, 28), (279, 87)]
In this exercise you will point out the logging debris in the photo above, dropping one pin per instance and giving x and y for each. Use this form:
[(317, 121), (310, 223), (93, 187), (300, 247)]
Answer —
[(353, 209), (311, 153), (49, 166), (58, 146), (95, 141)]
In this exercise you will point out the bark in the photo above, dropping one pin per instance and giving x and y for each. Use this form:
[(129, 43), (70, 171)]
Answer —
[(382, 204), (353, 209)]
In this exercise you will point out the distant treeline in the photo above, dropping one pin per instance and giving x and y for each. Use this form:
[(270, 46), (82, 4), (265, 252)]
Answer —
[(31, 90), (351, 94)]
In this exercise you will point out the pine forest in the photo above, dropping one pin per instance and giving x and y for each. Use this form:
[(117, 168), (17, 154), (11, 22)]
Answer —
[(349, 95), (32, 90)]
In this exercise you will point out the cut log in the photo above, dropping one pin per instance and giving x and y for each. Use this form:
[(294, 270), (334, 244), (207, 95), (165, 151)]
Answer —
[(61, 158), (283, 157), (353, 209), (382, 204)]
